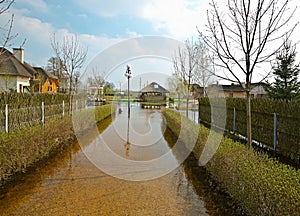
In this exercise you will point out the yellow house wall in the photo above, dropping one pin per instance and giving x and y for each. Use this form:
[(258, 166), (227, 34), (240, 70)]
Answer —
[(45, 87)]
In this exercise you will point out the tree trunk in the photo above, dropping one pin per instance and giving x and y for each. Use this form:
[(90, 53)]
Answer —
[(187, 106), (249, 123)]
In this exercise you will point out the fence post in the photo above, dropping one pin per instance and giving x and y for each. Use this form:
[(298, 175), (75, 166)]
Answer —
[(275, 133), (234, 120), (43, 112), (199, 120), (63, 108), (6, 118), (76, 105)]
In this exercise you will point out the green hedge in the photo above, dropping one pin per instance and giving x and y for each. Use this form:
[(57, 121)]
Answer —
[(262, 186), (22, 148), (288, 125)]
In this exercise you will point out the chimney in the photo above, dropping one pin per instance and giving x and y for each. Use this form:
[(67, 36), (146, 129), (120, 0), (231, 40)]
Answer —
[(19, 54)]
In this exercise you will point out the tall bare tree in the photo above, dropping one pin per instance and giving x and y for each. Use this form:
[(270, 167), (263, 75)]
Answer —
[(185, 65), (72, 57), (205, 68), (244, 34)]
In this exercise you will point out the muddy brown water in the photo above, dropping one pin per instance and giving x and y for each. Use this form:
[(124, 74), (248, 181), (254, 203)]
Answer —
[(73, 184)]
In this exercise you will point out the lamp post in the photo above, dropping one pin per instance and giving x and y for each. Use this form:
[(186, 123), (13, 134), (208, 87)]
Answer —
[(128, 76)]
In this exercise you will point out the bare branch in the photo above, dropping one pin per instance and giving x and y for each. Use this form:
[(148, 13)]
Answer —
[(71, 55)]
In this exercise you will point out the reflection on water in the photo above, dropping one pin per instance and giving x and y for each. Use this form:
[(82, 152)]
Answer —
[(127, 144), (71, 184)]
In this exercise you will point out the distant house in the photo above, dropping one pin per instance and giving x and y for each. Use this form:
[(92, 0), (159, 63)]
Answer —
[(15, 73), (153, 95), (95, 90), (45, 82), (237, 91)]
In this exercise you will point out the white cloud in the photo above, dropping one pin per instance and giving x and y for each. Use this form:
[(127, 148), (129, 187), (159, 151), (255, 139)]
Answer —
[(112, 8), (178, 18), (39, 5), (132, 34), (172, 16), (38, 39)]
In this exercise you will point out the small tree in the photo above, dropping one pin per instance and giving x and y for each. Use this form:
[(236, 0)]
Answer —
[(185, 65), (286, 85), (205, 69), (54, 66), (72, 57)]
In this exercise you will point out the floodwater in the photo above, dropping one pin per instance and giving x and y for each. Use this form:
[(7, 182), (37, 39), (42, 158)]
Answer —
[(88, 179)]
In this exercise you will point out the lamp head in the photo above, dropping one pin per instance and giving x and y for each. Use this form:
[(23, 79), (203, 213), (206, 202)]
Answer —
[(128, 69)]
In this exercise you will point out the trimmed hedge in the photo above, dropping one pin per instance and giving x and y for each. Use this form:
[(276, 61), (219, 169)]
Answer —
[(262, 186), (26, 146)]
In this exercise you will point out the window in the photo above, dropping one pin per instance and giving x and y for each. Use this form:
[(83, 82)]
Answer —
[(20, 88)]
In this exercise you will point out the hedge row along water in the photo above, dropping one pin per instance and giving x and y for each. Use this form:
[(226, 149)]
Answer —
[(288, 122), (262, 186), (26, 146)]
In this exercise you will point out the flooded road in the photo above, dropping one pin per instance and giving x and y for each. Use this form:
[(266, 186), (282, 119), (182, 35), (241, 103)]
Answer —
[(77, 182)]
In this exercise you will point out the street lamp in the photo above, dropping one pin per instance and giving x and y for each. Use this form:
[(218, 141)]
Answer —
[(128, 76)]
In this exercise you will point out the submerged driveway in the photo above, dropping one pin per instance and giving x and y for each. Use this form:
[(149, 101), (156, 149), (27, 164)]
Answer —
[(73, 182)]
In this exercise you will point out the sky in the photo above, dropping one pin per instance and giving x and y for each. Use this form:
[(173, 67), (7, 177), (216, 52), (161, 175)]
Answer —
[(102, 26)]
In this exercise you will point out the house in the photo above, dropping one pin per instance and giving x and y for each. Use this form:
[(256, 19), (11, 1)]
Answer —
[(153, 95), (15, 73), (44, 81), (237, 91)]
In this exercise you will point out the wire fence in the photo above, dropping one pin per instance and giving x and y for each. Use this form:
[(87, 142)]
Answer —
[(14, 118)]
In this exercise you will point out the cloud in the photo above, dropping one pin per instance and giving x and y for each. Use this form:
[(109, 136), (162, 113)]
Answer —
[(179, 17), (132, 34), (38, 38), (37, 5), (112, 8)]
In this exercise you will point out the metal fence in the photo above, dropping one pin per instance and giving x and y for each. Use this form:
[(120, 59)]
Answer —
[(277, 132)]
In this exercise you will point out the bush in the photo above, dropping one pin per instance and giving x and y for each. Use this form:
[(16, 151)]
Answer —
[(262, 186), (26, 146)]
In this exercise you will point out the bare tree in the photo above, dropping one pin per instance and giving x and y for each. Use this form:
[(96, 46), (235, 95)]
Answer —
[(185, 65), (98, 79), (72, 57), (204, 74), (245, 34), (6, 29)]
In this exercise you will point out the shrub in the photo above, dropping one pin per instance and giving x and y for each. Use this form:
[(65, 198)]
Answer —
[(262, 186), (24, 147)]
